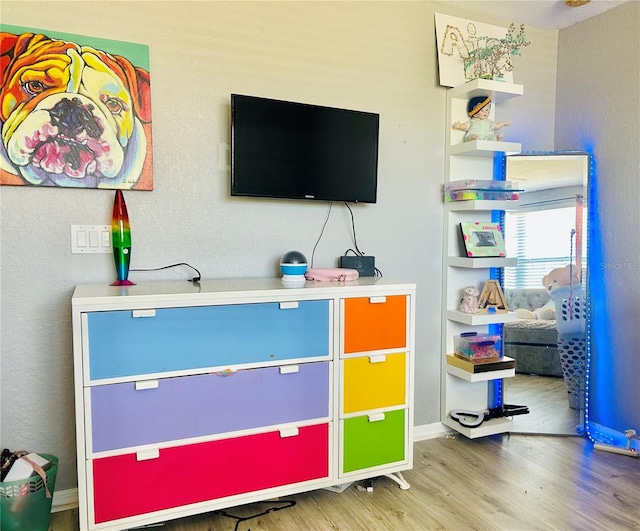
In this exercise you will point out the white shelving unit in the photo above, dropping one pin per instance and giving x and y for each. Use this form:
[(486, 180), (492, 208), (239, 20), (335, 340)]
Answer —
[(470, 160)]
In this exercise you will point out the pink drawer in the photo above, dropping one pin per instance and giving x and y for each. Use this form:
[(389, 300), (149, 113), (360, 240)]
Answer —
[(124, 486)]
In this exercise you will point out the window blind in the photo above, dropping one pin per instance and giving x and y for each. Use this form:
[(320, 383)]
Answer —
[(541, 240)]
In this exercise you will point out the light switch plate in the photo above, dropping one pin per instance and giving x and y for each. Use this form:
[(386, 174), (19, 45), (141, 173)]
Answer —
[(87, 239)]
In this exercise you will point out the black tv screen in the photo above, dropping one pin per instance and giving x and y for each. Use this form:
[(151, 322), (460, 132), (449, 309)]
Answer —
[(293, 150)]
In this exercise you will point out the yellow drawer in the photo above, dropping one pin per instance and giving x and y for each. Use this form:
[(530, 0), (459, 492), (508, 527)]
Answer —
[(372, 382)]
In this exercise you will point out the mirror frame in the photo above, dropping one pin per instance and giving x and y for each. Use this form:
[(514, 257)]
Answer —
[(588, 185)]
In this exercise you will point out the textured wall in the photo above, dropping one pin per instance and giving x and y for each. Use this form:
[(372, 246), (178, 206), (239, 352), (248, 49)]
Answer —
[(598, 107), (378, 57)]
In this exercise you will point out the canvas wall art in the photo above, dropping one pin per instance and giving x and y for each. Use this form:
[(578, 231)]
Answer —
[(456, 39), (75, 111)]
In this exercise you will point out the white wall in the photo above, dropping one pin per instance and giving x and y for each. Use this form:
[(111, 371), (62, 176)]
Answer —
[(598, 106), (372, 56)]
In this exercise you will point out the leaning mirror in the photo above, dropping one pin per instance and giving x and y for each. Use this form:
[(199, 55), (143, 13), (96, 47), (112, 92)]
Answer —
[(548, 235)]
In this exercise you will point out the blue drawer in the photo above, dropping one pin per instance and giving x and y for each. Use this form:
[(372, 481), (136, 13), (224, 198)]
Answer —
[(178, 339), (206, 404)]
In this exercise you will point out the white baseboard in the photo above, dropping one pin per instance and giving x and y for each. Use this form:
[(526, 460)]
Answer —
[(64, 500), (430, 431)]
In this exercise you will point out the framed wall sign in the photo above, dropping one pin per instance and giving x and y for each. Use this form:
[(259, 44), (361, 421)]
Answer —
[(482, 239)]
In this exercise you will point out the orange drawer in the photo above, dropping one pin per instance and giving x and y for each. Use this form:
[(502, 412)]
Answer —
[(375, 323), (182, 475)]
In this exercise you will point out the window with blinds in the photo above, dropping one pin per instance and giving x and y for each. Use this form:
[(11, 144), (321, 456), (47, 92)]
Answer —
[(541, 240)]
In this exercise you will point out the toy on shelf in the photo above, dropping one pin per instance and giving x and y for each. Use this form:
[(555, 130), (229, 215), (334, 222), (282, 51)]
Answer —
[(492, 298), (469, 301), (478, 189), (481, 195), (557, 278), (480, 127), (474, 346)]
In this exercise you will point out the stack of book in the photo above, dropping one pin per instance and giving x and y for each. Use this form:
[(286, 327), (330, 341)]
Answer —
[(476, 366)]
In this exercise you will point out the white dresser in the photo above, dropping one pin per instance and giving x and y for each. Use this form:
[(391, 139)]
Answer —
[(195, 397)]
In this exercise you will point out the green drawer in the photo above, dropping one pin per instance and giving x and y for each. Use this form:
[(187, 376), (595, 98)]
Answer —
[(369, 442)]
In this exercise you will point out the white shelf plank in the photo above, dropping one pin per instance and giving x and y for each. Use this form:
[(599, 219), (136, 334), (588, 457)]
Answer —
[(484, 148), (498, 91), (488, 427), (480, 376), (475, 319), (480, 263), (481, 205)]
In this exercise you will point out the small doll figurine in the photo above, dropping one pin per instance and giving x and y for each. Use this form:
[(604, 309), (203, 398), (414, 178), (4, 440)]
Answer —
[(479, 127), (469, 301)]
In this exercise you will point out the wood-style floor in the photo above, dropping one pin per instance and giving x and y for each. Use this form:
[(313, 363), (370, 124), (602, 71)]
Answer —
[(516, 482), (548, 402)]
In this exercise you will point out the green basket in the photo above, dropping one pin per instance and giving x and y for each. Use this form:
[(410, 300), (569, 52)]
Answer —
[(24, 504)]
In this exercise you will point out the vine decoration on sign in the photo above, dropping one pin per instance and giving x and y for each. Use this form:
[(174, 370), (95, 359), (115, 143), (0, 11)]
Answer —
[(492, 58)]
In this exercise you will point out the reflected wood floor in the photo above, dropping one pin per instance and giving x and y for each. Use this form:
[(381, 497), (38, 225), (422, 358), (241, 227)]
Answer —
[(548, 403), (516, 482)]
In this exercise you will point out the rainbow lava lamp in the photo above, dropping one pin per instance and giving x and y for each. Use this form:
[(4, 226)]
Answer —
[(121, 240)]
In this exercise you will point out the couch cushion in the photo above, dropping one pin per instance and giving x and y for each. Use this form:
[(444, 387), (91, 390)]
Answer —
[(529, 299), (534, 345)]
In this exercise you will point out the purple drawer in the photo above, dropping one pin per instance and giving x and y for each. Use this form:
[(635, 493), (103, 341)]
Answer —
[(207, 404)]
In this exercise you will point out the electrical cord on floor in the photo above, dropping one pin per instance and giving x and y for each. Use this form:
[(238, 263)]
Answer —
[(194, 279), (288, 503)]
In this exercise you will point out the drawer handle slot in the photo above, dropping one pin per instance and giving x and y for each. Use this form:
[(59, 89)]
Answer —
[(291, 305), (147, 384), (378, 300), (289, 432), (289, 369), (376, 417), (378, 359), (143, 313), (145, 455)]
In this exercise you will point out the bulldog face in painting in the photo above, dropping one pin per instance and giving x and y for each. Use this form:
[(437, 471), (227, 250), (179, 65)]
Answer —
[(72, 115)]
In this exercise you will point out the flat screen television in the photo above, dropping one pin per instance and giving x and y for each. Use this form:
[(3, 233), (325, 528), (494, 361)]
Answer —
[(290, 150)]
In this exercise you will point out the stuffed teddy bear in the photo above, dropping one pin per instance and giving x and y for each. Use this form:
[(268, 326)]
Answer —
[(469, 301), (557, 278)]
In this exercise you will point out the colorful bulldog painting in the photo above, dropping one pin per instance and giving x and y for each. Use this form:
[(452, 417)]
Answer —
[(74, 112)]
